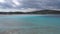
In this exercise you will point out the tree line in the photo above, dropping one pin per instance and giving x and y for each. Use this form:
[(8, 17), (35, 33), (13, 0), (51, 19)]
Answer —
[(34, 12)]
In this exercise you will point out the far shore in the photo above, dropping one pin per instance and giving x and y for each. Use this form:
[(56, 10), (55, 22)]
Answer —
[(29, 14)]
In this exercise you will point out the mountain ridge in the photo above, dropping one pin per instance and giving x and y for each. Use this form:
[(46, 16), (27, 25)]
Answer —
[(33, 12)]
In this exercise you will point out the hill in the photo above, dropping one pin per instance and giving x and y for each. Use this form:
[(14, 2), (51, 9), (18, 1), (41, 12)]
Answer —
[(34, 12), (45, 12)]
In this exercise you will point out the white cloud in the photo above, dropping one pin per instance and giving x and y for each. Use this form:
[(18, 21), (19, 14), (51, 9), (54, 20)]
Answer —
[(2, 1), (29, 9), (16, 2), (22, 10)]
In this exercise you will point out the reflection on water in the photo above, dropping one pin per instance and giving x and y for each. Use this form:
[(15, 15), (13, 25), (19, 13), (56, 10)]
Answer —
[(29, 24)]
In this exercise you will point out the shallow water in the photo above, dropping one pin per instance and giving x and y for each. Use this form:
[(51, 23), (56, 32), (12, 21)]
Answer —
[(29, 24)]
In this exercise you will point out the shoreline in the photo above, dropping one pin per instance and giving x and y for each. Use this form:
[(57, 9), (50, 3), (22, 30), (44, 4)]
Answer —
[(30, 14)]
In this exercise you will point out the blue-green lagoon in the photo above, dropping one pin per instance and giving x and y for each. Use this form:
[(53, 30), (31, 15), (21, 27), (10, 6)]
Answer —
[(29, 24)]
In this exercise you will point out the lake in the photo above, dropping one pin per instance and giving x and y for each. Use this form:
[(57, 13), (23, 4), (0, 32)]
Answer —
[(29, 24)]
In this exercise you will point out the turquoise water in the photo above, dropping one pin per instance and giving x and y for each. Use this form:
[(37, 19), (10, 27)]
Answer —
[(39, 24)]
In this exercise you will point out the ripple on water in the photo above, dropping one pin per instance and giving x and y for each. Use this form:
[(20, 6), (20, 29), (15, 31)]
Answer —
[(29, 24)]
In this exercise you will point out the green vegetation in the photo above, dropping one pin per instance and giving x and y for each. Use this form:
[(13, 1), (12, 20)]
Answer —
[(34, 12)]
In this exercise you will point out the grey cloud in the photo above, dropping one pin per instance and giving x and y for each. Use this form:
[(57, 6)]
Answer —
[(39, 4)]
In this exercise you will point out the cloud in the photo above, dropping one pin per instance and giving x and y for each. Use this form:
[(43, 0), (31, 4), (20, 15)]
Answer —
[(16, 2), (41, 4), (38, 4), (2, 1)]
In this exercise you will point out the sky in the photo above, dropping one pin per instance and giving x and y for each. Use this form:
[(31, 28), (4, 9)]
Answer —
[(32, 4)]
